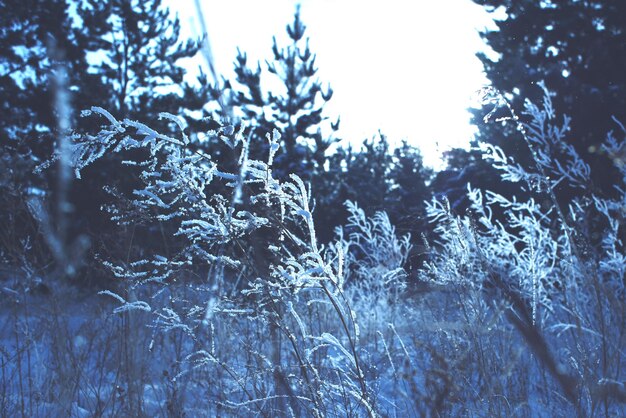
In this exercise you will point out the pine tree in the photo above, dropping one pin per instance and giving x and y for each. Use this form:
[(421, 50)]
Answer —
[(297, 110), (578, 48), (121, 55), (138, 45), (36, 39)]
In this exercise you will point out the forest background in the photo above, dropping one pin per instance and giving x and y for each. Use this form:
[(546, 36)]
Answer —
[(79, 219)]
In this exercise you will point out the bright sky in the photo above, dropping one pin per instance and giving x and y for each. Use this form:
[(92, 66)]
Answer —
[(406, 68)]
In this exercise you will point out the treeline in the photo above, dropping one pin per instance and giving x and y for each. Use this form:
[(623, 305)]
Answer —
[(124, 56)]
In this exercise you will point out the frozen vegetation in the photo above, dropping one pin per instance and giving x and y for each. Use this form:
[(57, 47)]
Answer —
[(516, 312)]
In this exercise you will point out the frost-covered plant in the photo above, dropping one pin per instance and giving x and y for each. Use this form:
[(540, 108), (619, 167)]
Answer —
[(565, 295), (375, 260), (220, 216), (376, 255)]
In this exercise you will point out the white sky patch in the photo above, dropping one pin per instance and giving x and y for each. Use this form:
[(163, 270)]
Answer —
[(406, 68)]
